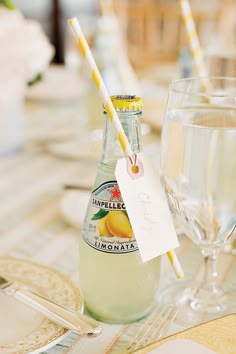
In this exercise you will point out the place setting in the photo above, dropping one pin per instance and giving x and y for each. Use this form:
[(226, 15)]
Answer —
[(39, 307)]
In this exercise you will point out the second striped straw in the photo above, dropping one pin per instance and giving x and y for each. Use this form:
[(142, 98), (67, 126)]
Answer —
[(193, 38), (105, 97), (194, 44)]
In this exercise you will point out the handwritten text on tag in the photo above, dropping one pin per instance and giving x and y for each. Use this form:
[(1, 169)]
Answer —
[(147, 209)]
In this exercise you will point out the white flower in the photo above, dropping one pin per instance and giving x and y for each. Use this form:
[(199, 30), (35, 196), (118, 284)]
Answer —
[(25, 49)]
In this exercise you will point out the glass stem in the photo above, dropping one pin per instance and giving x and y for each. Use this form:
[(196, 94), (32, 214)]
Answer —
[(209, 296), (210, 270)]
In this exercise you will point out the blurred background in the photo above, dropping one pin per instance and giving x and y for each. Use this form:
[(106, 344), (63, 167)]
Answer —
[(153, 29), (140, 46)]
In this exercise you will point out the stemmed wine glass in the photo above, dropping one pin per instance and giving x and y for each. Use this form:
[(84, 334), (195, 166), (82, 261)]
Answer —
[(198, 175)]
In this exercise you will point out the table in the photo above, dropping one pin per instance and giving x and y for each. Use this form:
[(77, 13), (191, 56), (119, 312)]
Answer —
[(32, 227)]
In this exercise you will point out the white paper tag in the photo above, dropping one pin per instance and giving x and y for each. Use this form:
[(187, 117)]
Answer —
[(183, 346), (147, 209)]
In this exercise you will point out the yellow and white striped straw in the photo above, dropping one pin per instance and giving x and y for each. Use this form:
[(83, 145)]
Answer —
[(175, 264), (193, 38), (198, 57), (86, 53)]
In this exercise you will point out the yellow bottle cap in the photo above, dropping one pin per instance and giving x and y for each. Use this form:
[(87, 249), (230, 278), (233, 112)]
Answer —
[(127, 103)]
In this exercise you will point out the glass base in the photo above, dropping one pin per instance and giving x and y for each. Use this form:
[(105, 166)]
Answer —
[(198, 305), (118, 318)]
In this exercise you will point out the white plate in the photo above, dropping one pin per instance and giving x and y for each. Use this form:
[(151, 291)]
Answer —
[(23, 330), (73, 207), (57, 84), (86, 147)]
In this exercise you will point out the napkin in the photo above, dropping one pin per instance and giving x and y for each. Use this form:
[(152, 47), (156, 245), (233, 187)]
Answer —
[(183, 346)]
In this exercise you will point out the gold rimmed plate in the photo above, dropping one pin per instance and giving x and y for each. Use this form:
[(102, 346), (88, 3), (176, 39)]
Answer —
[(22, 329)]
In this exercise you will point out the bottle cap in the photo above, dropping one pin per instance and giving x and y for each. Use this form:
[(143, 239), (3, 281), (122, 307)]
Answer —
[(127, 103)]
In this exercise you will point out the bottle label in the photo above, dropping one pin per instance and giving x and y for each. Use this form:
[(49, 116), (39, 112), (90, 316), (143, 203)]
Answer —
[(107, 226)]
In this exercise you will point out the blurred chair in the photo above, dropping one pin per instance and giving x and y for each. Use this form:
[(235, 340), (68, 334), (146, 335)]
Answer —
[(155, 31), (227, 24), (153, 28), (222, 58)]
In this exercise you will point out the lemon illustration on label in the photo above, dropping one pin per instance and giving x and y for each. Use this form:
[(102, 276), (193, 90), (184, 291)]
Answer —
[(113, 223), (102, 228), (118, 224), (108, 227)]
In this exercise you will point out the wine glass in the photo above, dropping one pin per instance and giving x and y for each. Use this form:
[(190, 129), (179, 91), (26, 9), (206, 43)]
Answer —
[(198, 175)]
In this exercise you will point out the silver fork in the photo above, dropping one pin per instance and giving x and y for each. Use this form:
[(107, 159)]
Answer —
[(155, 327)]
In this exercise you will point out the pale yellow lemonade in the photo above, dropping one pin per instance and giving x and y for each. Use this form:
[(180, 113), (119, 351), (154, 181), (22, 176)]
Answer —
[(117, 286)]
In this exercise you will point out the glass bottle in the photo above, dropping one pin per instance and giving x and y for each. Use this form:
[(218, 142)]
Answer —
[(117, 286)]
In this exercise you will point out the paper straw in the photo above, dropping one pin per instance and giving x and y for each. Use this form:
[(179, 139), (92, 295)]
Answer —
[(200, 67), (96, 76), (193, 38), (175, 264), (202, 72), (86, 53)]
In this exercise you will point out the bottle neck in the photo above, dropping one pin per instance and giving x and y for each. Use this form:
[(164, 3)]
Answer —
[(111, 147)]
